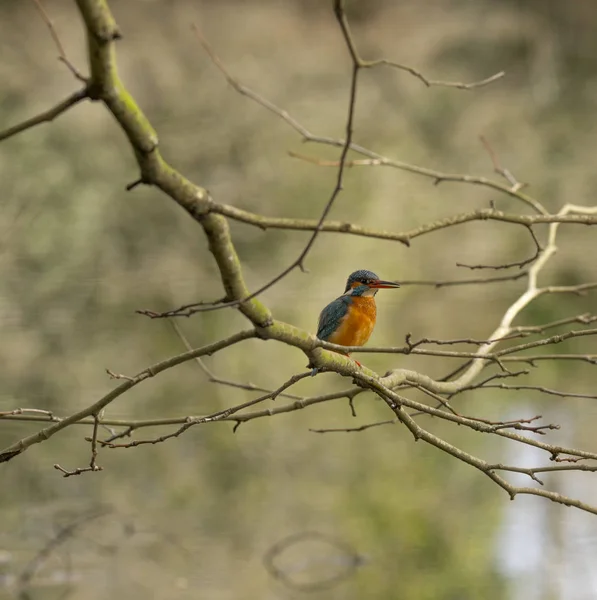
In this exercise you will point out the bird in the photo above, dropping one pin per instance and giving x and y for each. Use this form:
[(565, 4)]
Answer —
[(349, 320)]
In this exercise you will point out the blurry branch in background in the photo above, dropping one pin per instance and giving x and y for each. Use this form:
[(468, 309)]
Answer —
[(497, 351), (325, 561), (497, 166), (63, 534), (61, 53)]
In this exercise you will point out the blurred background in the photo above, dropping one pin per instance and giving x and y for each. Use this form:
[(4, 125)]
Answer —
[(222, 516)]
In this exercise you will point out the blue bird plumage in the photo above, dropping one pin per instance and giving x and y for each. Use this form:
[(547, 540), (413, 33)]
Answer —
[(332, 314)]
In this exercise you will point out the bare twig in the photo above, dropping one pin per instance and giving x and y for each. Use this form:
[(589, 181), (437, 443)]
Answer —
[(519, 264), (46, 116), (585, 319), (21, 411), (185, 310), (439, 283), (61, 53), (217, 416), (251, 387), (355, 429), (497, 167), (433, 82), (93, 467), (21, 445)]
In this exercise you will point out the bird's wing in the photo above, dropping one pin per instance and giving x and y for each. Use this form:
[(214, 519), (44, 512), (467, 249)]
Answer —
[(331, 315)]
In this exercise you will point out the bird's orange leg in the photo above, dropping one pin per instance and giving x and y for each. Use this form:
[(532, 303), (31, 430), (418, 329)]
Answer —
[(355, 360)]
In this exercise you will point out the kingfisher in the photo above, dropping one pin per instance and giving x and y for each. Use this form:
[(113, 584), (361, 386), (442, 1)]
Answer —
[(349, 320)]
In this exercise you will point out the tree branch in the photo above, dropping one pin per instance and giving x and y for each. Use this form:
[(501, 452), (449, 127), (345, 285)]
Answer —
[(46, 116), (44, 434)]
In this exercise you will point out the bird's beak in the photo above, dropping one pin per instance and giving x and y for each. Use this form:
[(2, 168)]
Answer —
[(382, 285)]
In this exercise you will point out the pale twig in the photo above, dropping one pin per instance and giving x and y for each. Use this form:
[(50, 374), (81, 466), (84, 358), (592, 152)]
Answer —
[(433, 82), (21, 411)]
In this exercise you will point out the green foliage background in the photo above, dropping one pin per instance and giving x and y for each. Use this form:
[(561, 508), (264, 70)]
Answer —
[(193, 517)]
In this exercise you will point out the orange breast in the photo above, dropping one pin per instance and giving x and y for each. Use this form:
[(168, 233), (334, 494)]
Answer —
[(357, 325)]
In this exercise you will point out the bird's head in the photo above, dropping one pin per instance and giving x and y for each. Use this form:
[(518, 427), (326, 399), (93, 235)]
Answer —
[(366, 283)]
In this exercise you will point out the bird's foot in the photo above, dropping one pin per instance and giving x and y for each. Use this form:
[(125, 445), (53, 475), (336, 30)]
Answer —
[(355, 360)]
